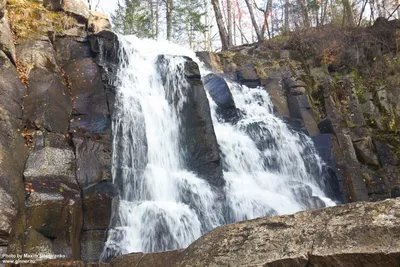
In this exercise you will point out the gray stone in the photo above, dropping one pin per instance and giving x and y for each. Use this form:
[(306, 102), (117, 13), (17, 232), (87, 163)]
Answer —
[(365, 151), (248, 76), (98, 22), (97, 205), (76, 8), (12, 150), (92, 245), (52, 162), (278, 96), (197, 136), (6, 39), (293, 83), (210, 60), (93, 160), (383, 100), (90, 113), (352, 235), (39, 54), (71, 48), (8, 212), (386, 154), (47, 104)]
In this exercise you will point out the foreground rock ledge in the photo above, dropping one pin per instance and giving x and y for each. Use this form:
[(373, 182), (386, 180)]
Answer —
[(358, 234)]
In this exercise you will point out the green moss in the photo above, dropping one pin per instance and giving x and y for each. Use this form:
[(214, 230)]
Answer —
[(30, 18)]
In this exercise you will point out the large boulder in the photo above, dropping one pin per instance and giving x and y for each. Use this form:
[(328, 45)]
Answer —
[(358, 234), (220, 93), (77, 8), (98, 22), (198, 138)]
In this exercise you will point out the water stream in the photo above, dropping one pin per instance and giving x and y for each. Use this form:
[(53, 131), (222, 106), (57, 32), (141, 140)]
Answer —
[(268, 168)]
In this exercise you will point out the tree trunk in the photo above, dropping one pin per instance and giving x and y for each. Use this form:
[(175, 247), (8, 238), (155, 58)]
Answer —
[(220, 23), (253, 21), (229, 21), (304, 13), (348, 13), (157, 4), (286, 12), (169, 19)]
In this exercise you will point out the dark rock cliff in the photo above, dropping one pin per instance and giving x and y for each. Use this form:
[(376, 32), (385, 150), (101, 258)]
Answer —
[(55, 139)]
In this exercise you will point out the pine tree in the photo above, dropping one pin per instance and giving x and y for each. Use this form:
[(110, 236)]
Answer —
[(133, 17)]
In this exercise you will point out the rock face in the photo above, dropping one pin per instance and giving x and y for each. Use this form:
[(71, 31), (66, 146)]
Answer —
[(198, 139), (359, 234), (222, 96), (55, 151)]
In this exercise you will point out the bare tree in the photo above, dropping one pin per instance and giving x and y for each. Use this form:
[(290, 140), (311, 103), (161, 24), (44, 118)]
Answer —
[(220, 23), (169, 4), (229, 21), (253, 20), (348, 13)]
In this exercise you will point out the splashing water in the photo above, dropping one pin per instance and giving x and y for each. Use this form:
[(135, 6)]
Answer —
[(268, 168)]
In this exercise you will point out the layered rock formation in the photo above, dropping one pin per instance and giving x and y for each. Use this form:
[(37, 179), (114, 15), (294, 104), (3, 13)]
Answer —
[(55, 147)]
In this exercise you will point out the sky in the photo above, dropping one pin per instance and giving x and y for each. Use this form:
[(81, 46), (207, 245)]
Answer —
[(107, 6)]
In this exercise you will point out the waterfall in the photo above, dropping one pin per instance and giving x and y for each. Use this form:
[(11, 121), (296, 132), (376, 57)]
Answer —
[(163, 205)]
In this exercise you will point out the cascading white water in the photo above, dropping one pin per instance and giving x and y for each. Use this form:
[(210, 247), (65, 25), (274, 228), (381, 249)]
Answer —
[(154, 212)]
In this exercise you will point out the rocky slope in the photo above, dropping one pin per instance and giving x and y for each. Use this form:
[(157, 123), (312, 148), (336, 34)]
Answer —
[(359, 234), (342, 88)]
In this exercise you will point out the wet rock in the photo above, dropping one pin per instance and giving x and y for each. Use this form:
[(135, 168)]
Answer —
[(386, 154), (71, 48), (303, 194), (300, 108), (105, 45), (210, 60), (90, 113), (325, 126), (198, 138), (247, 75), (93, 161), (77, 8), (6, 39), (324, 237), (222, 96), (326, 145), (98, 22), (47, 104), (92, 245), (278, 96), (97, 206)]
